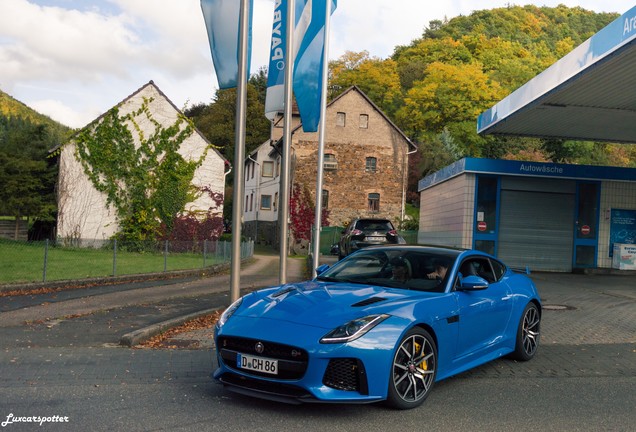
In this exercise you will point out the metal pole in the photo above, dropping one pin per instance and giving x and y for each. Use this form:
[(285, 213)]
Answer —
[(46, 258), (239, 154), (286, 157), (165, 256), (321, 140), (115, 258), (205, 247)]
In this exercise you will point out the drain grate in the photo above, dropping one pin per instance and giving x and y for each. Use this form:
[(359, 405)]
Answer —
[(557, 307)]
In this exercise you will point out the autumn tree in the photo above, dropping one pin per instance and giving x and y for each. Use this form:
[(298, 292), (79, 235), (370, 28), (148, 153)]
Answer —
[(450, 96), (377, 78)]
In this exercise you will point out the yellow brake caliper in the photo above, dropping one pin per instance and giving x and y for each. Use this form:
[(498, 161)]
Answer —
[(423, 365)]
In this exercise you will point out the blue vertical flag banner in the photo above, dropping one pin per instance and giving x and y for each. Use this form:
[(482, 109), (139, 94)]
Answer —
[(275, 96), (310, 31), (308, 50), (222, 20)]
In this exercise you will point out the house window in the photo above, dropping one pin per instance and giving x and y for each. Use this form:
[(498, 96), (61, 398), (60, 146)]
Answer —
[(251, 201), (371, 164), (325, 199), (275, 203), (364, 121), (374, 202), (247, 199), (330, 162), (341, 119), (266, 202), (268, 169)]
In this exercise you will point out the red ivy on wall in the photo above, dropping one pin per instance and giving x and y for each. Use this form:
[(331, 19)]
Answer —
[(193, 228), (301, 212)]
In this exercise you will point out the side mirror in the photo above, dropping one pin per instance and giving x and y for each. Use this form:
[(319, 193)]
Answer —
[(473, 283), (321, 269)]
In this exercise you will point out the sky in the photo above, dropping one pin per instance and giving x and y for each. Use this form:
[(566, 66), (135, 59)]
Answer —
[(75, 59)]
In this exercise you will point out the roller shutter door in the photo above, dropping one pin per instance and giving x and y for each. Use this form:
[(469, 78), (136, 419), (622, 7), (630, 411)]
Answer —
[(536, 229)]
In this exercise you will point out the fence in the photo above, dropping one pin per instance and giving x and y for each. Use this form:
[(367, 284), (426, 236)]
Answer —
[(22, 262), (330, 235)]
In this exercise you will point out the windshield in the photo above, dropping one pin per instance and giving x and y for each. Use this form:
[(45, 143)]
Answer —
[(374, 225), (419, 269)]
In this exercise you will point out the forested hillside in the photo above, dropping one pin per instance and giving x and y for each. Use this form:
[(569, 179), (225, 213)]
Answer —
[(435, 87), (27, 175)]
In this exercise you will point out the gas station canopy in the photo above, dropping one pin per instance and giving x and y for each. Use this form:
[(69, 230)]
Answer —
[(590, 94)]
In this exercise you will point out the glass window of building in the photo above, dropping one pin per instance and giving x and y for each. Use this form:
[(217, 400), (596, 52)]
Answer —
[(268, 169), (341, 119), (371, 164), (374, 202), (266, 202)]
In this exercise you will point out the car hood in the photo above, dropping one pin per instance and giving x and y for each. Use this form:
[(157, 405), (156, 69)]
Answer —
[(323, 304)]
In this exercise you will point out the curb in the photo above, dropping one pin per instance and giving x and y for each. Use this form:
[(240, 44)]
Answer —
[(139, 336)]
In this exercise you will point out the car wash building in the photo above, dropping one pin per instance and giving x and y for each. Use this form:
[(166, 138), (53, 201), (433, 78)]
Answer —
[(550, 216)]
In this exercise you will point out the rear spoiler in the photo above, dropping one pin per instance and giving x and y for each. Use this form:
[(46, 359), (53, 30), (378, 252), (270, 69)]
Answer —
[(525, 269)]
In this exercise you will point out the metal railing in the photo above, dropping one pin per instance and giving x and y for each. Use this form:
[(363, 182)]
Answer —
[(25, 262)]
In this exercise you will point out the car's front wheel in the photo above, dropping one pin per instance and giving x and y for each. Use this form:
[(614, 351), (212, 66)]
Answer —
[(413, 370), (528, 333)]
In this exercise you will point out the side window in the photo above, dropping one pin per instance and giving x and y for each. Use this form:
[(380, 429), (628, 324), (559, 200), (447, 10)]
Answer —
[(498, 269), (478, 267), (364, 121)]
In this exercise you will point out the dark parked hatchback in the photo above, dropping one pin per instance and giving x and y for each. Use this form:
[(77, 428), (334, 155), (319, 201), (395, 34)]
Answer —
[(366, 232)]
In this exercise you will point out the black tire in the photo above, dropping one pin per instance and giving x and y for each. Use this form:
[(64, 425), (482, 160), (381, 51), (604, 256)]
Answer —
[(413, 370), (528, 333)]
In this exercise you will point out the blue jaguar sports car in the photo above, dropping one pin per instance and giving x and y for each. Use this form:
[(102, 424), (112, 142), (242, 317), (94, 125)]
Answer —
[(385, 323)]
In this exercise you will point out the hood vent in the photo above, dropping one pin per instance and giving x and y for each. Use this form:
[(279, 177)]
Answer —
[(284, 291), (368, 301)]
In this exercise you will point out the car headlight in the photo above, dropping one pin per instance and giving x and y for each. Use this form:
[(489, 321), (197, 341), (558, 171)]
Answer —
[(229, 312), (353, 329)]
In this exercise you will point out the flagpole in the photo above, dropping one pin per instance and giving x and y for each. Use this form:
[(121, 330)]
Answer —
[(321, 142), (286, 157), (239, 153)]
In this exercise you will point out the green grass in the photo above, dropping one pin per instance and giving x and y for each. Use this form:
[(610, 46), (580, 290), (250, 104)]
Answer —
[(24, 262)]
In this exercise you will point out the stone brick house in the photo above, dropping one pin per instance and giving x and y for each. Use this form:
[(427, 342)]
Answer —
[(365, 167), (83, 212)]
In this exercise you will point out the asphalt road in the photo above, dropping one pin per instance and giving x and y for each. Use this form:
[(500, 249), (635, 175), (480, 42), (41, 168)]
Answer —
[(65, 361)]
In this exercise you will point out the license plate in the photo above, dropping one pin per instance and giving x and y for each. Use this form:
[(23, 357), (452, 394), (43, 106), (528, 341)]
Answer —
[(259, 364)]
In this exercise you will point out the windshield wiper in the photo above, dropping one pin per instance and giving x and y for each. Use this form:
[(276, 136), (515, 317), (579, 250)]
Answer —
[(332, 279)]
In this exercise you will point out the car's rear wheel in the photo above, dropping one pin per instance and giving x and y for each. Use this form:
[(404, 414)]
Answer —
[(413, 370), (528, 333)]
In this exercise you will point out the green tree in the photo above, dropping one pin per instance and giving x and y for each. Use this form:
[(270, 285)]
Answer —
[(216, 121), (27, 176), (448, 95), (23, 192)]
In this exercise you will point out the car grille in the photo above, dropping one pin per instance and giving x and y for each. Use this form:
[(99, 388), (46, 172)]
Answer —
[(346, 374), (267, 387), (292, 361)]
